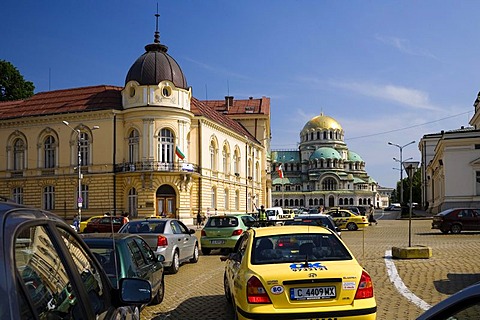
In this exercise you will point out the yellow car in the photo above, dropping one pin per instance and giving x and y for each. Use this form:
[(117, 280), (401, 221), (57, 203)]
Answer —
[(83, 224), (346, 219), (296, 272)]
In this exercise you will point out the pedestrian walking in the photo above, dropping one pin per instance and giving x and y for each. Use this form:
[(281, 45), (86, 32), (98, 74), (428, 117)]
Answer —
[(199, 219), (371, 218)]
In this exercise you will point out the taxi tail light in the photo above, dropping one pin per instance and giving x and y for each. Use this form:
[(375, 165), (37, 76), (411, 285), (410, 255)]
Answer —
[(237, 232), (365, 288), (162, 241), (203, 234), (256, 292)]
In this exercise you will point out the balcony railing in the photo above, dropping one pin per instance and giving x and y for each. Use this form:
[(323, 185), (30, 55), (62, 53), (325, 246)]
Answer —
[(155, 166)]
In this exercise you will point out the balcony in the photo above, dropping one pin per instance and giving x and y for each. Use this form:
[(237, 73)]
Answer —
[(152, 166)]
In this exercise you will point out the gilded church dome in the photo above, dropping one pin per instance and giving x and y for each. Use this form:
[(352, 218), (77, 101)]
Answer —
[(322, 122)]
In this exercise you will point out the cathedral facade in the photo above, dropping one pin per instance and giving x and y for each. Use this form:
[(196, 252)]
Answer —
[(322, 172)]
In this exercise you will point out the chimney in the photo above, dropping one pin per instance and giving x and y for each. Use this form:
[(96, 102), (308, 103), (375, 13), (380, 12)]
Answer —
[(228, 102)]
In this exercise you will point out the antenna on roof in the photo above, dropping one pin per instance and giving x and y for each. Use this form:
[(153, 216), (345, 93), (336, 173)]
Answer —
[(157, 33)]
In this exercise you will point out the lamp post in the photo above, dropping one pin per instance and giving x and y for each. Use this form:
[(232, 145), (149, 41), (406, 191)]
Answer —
[(401, 164), (410, 168), (79, 167)]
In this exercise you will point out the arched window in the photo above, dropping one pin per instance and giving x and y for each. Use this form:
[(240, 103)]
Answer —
[(49, 149), (257, 177), (133, 147), (165, 146), (340, 202), (310, 202), (237, 200), (84, 145), (249, 168), (132, 203), (18, 154), (236, 163), (329, 184), (213, 156)]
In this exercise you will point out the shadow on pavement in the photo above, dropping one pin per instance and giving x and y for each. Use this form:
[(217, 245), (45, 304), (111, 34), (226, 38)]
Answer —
[(199, 308), (456, 282)]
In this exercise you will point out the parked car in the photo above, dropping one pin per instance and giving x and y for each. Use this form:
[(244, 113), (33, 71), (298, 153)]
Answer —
[(279, 214), (296, 272), (393, 207), (105, 224), (222, 232), (457, 219), (461, 305), (168, 237), (323, 220), (125, 255), (44, 258), (345, 219), (83, 224)]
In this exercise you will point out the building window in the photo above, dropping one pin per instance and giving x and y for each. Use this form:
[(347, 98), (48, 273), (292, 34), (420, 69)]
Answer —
[(84, 196), (165, 146), (226, 157), (237, 200), (278, 188), (85, 148), (49, 152), (49, 198), (225, 199), (249, 201), (214, 198), (17, 195), (329, 184), (478, 183), (18, 154), (132, 203), (133, 145), (213, 156)]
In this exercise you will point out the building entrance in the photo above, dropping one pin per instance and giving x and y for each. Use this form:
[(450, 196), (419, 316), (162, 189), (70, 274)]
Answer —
[(166, 200)]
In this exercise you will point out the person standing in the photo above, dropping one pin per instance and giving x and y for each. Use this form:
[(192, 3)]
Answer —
[(371, 218), (199, 219), (262, 216)]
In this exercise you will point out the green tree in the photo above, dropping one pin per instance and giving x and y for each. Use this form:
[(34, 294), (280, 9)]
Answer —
[(12, 84)]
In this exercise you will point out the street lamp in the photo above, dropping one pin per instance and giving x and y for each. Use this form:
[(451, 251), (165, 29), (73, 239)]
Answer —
[(401, 164), (410, 168), (79, 141)]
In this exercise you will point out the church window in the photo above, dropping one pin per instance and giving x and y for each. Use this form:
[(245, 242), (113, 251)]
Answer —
[(165, 146), (18, 154), (329, 184)]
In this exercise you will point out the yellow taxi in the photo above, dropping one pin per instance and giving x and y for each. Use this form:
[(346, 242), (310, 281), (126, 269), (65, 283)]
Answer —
[(83, 224), (346, 219), (296, 272)]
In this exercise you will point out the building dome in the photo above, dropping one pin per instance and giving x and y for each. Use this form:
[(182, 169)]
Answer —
[(353, 156), (322, 122), (155, 65), (325, 153)]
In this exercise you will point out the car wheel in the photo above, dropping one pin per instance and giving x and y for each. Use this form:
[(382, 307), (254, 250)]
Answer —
[(135, 313), (456, 229), (352, 226), (160, 293), (194, 258), (175, 263), (226, 288), (206, 251)]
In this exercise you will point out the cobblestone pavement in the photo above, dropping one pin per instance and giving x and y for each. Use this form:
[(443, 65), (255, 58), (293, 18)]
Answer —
[(196, 291)]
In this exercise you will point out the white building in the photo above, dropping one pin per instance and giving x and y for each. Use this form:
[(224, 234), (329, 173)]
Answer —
[(451, 167)]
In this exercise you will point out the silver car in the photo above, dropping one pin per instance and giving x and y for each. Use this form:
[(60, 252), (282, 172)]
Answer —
[(168, 237)]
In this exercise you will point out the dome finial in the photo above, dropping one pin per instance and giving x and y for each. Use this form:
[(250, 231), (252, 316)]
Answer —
[(157, 33)]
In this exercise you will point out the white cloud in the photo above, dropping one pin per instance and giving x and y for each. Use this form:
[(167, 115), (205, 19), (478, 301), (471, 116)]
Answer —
[(404, 46), (405, 96)]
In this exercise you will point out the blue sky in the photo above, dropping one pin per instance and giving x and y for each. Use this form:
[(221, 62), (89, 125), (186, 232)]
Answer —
[(385, 70)]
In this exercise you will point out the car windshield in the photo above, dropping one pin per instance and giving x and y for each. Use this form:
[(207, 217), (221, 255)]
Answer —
[(145, 227), (106, 256), (298, 248), (444, 213), (222, 222)]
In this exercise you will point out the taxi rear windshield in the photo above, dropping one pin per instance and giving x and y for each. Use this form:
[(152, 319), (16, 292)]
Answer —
[(222, 222), (293, 248)]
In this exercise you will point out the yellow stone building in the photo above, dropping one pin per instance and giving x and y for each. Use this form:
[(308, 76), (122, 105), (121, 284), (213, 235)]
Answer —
[(146, 148)]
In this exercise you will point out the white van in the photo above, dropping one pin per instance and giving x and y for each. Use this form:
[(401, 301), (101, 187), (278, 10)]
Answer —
[(279, 214)]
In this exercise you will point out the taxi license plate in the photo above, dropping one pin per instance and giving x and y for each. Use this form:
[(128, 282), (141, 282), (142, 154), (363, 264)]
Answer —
[(312, 293), (217, 241)]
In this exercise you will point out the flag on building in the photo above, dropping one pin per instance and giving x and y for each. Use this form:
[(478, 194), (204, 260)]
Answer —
[(280, 171), (179, 153)]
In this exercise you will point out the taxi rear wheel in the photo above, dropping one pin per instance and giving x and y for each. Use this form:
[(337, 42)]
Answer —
[(352, 226), (226, 289)]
